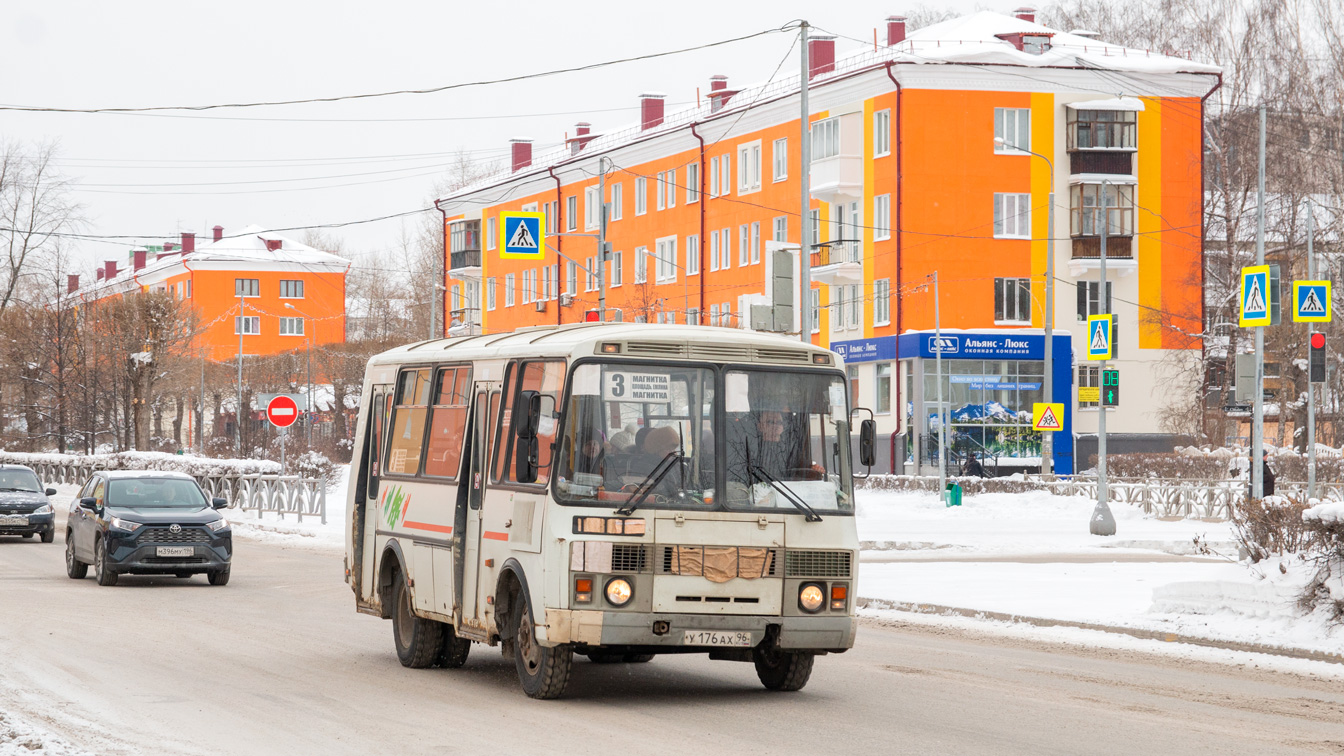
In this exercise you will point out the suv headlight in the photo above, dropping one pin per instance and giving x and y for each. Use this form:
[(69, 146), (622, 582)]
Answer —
[(218, 525), (121, 524), (44, 509)]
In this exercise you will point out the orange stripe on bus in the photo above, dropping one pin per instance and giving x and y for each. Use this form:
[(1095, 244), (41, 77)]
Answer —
[(428, 526), (492, 535)]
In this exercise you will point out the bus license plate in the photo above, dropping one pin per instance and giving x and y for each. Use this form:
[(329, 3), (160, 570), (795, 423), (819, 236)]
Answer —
[(711, 638), (175, 551), (13, 519)]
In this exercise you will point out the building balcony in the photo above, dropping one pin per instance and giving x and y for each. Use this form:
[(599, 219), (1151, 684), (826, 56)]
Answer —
[(464, 263), (838, 178), (838, 263), (1085, 254)]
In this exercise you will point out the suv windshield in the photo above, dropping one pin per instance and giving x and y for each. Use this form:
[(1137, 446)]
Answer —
[(787, 441), (19, 480), (632, 429), (155, 492)]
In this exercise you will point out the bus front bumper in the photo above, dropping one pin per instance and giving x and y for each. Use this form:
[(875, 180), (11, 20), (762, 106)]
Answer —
[(595, 628)]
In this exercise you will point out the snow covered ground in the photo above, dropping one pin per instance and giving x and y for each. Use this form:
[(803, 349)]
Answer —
[(22, 738)]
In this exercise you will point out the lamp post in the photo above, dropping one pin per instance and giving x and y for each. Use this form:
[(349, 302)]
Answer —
[(1048, 437), (308, 422)]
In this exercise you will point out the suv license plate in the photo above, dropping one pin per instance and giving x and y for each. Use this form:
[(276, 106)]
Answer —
[(712, 638), (13, 519), (174, 551)]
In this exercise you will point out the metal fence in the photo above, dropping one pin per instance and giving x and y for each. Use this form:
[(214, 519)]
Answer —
[(282, 494)]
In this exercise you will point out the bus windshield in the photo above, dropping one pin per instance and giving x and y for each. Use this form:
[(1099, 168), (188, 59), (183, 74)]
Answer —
[(639, 433), (787, 441)]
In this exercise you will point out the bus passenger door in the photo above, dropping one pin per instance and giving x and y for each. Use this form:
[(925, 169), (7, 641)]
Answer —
[(364, 521), (485, 410)]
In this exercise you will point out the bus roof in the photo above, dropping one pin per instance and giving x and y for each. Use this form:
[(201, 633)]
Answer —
[(650, 340)]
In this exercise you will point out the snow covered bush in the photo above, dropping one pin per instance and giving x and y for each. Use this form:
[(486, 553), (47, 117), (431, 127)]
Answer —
[(313, 464), (1325, 523), (1174, 465), (1269, 527), (971, 486)]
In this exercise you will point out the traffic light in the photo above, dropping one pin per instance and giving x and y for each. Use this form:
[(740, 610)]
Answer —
[(1110, 388), (1317, 362)]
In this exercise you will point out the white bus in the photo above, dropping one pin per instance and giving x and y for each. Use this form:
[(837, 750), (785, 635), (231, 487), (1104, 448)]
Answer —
[(611, 490)]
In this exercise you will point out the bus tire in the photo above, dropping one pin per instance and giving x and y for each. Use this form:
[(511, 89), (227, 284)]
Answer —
[(453, 650), (543, 671), (783, 670), (417, 638), (605, 657), (638, 658)]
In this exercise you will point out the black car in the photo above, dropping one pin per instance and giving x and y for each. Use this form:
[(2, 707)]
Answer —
[(24, 508), (146, 523)]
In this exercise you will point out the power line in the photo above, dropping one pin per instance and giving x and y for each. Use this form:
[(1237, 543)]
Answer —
[(501, 116)]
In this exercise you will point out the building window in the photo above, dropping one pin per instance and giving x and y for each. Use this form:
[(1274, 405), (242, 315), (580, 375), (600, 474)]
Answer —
[(743, 245), (546, 283), (882, 301), (490, 293), (693, 316), (508, 290), (592, 205), (641, 195), (725, 250), (659, 189), (1013, 126), (1102, 129), (291, 289), (825, 138), (1089, 376), (491, 232), (641, 264), (692, 183), (881, 133), (615, 202), (852, 372), (883, 388), (692, 255), (713, 177), (749, 167), (291, 326), (666, 250), (1012, 216), (616, 271), (755, 242), (572, 212), (713, 250), (589, 278), (855, 307), (726, 313), (246, 287), (247, 325), (188, 288), (1012, 300), (882, 217), (838, 308), (1089, 299), (1085, 209), (816, 226), (571, 277), (816, 310), (781, 230), (780, 157), (713, 315)]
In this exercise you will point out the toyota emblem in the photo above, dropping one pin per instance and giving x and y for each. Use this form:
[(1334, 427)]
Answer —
[(174, 528)]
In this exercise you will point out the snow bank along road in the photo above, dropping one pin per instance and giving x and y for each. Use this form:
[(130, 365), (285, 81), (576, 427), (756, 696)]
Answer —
[(278, 662)]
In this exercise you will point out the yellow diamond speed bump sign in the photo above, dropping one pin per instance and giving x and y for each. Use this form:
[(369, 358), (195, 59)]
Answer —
[(1047, 417)]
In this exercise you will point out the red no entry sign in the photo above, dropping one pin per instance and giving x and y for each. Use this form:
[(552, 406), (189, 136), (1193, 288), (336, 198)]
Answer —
[(282, 412)]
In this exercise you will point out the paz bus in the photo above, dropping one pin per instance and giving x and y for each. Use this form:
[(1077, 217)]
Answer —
[(616, 491)]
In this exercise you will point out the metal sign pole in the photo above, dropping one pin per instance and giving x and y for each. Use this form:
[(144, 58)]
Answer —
[(283, 433), (1311, 387), (1103, 522), (805, 208), (942, 415), (1258, 416), (602, 240)]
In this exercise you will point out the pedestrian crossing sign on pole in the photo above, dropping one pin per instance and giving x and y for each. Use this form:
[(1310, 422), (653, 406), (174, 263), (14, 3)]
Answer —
[(1100, 345), (1311, 302), (1047, 417), (524, 235), (1255, 296)]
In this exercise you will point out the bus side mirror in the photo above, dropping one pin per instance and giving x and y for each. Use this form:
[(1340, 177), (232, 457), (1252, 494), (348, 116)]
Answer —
[(868, 443), (529, 416)]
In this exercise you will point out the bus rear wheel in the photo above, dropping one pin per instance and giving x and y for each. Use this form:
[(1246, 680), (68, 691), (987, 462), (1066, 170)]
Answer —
[(543, 671), (453, 650), (783, 670), (417, 638)]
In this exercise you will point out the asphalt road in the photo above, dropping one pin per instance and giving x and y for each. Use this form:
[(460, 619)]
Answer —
[(278, 662)]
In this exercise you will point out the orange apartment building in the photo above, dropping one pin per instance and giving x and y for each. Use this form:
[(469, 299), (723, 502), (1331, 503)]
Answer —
[(907, 178)]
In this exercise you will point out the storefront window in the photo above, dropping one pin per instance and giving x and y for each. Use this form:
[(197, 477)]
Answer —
[(883, 388), (989, 404)]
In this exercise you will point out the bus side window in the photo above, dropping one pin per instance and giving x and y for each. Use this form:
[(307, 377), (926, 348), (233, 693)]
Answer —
[(408, 423), (374, 452), (548, 379), (501, 428), (448, 423)]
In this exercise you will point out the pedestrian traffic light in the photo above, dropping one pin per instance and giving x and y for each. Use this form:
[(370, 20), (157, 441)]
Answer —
[(1317, 362), (1110, 388)]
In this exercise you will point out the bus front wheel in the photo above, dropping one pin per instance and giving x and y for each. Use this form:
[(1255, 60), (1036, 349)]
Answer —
[(418, 639), (783, 670), (543, 671)]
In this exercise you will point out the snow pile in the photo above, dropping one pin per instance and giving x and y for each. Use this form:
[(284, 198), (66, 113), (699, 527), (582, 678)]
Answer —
[(23, 739), (1330, 513), (141, 460)]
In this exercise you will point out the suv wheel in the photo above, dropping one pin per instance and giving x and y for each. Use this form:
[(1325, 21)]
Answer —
[(101, 570), (49, 535), (73, 567), (220, 577)]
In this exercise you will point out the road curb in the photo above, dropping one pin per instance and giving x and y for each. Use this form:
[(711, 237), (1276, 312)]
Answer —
[(1134, 632)]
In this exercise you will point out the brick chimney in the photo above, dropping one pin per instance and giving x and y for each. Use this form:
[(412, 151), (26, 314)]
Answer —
[(719, 93), (1025, 13), (110, 269), (219, 232), (895, 30), (820, 55), (71, 283), (188, 242), (138, 258), (650, 110), (273, 244), (583, 134), (101, 272), (521, 150), (168, 247)]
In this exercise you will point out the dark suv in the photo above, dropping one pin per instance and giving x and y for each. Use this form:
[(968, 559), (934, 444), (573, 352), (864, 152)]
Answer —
[(146, 523), (24, 508)]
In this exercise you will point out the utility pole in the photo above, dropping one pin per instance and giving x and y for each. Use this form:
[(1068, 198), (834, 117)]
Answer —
[(1311, 387), (238, 411), (1103, 521), (200, 417), (942, 410), (1258, 418), (1048, 437), (805, 208), (602, 240)]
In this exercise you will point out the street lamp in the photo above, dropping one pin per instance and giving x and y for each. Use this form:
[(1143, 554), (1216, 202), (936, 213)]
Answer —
[(309, 340), (1048, 438)]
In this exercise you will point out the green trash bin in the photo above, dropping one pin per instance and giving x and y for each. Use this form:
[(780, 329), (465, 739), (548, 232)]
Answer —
[(953, 494)]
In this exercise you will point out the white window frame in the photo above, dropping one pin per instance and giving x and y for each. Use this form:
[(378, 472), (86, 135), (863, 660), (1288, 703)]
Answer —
[(882, 302), (491, 231), (509, 289), (659, 188), (714, 177), (641, 265), (882, 133), (755, 242), (726, 314), (779, 154), (725, 175), (713, 314), (692, 183), (250, 325), (713, 250), (1003, 288), (589, 280), (666, 254), (881, 217), (749, 167), (615, 202), (725, 249), (291, 281), (490, 293), (855, 306), (592, 200), (571, 277), (572, 212), (287, 326), (780, 229), (743, 245), (1012, 215), (816, 310), (247, 287), (825, 138), (1013, 126), (693, 254), (641, 195)]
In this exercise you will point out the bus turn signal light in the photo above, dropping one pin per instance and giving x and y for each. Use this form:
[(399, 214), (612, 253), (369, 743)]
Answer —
[(838, 595), (583, 590)]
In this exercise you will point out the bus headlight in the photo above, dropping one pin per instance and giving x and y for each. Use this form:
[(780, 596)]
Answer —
[(619, 591), (811, 597)]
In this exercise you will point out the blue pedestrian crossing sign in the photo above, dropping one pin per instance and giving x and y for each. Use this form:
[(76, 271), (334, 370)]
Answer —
[(1311, 302), (524, 235), (1100, 337), (1255, 298)]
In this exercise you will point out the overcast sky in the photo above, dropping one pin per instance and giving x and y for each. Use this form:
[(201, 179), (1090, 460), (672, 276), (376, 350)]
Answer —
[(154, 176)]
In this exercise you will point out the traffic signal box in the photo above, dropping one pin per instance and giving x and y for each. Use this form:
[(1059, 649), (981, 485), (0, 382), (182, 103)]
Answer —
[(1110, 388), (1317, 362)]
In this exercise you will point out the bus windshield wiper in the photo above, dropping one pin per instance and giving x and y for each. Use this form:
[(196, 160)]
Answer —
[(650, 482), (809, 513)]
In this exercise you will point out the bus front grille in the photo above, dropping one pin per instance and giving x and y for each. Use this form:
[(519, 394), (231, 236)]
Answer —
[(720, 563), (817, 564)]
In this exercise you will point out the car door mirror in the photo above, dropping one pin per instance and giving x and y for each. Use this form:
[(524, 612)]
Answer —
[(51, 492), (89, 503), (868, 443), (219, 502)]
